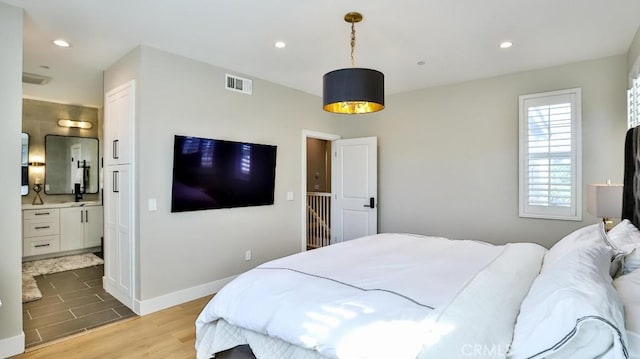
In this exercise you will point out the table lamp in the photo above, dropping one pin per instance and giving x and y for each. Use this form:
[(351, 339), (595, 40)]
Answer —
[(605, 201)]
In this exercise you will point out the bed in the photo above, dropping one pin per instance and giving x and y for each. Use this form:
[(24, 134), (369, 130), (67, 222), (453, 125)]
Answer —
[(408, 296)]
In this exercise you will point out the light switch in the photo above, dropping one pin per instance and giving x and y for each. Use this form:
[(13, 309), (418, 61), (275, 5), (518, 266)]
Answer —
[(289, 196), (153, 204)]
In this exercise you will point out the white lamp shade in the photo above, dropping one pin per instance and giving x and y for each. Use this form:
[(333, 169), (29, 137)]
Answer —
[(604, 201)]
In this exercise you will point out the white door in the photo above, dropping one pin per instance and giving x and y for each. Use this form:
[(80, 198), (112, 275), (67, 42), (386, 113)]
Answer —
[(119, 221), (355, 188), (71, 228), (118, 241), (93, 226), (119, 113)]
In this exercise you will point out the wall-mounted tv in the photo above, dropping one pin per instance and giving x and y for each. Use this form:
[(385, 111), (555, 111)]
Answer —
[(211, 174)]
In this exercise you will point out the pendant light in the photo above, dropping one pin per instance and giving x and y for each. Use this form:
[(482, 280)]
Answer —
[(353, 90)]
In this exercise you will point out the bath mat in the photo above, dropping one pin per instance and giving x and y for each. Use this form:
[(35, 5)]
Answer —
[(30, 291)]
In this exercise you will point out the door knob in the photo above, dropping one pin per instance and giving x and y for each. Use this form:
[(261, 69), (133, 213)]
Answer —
[(372, 203)]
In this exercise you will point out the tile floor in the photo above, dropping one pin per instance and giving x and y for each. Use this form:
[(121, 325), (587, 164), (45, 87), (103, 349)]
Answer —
[(72, 302)]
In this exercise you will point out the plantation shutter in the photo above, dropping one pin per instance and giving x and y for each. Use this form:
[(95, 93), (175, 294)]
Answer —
[(633, 103), (550, 155)]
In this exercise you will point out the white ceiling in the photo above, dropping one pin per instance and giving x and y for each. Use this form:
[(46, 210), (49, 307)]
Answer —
[(457, 39)]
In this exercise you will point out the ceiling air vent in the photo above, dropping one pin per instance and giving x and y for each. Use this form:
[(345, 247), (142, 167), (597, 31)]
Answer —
[(238, 84), (35, 79)]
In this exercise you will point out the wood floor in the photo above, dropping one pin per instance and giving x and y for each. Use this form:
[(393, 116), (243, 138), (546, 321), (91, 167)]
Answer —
[(166, 334)]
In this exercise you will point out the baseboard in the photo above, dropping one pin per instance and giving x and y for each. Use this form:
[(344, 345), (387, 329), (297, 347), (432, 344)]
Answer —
[(12, 346), (149, 306), (61, 254)]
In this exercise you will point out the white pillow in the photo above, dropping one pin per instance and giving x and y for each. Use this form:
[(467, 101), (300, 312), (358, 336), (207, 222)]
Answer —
[(628, 287), (626, 237), (572, 309), (631, 261), (586, 236)]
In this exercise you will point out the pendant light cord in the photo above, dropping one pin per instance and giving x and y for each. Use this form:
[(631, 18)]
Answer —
[(353, 44)]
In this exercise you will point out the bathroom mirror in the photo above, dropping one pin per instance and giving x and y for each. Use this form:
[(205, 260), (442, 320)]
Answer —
[(69, 161), (24, 164)]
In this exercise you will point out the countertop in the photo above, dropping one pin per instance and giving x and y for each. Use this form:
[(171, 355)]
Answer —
[(61, 205)]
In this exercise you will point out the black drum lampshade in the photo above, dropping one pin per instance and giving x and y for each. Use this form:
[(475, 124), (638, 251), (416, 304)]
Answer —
[(353, 91)]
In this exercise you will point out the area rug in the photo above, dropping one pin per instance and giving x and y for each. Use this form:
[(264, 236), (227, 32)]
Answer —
[(30, 290)]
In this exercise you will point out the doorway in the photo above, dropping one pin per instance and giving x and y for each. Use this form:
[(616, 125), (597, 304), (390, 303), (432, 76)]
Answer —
[(316, 186), (71, 296), (318, 193), (339, 177)]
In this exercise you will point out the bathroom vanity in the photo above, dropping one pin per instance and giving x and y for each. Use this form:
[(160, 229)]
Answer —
[(52, 230)]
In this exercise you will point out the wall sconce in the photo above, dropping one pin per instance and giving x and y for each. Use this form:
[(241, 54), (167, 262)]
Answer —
[(37, 171), (605, 201), (75, 124), (37, 186)]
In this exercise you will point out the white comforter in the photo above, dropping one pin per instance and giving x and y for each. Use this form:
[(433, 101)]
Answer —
[(388, 295)]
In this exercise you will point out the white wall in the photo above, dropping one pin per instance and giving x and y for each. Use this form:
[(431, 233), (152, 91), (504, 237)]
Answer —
[(448, 155), (633, 55), (124, 70), (11, 337), (181, 96)]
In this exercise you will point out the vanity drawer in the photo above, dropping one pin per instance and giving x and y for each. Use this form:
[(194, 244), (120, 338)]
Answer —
[(41, 227), (40, 245), (41, 214)]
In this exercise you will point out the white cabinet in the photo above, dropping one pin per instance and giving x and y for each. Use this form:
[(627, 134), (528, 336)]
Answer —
[(64, 228), (36, 246), (119, 112), (118, 243), (72, 228), (80, 227), (93, 226), (40, 231), (119, 193)]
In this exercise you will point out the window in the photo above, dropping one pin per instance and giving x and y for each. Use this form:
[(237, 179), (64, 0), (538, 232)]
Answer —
[(550, 155), (633, 103)]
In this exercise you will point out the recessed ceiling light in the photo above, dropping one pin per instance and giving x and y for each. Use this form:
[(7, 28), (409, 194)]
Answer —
[(280, 44), (420, 63), (61, 43), (506, 44)]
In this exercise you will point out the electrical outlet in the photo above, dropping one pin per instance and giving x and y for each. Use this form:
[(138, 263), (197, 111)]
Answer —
[(247, 255)]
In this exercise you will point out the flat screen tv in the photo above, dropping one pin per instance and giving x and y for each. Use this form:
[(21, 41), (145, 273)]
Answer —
[(211, 174)]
